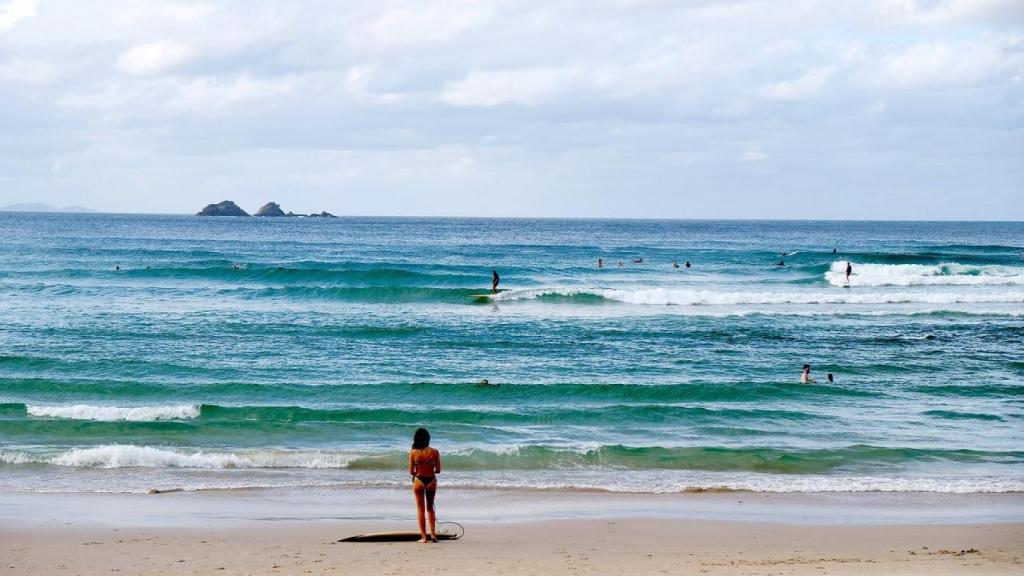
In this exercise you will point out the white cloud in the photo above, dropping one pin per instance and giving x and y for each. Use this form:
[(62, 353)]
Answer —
[(15, 11), (753, 153), (805, 87), (153, 57), (28, 71), (211, 95), (529, 87), (940, 64), (939, 12), (419, 23)]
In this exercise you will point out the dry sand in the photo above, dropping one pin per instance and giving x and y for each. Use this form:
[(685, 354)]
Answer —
[(623, 546)]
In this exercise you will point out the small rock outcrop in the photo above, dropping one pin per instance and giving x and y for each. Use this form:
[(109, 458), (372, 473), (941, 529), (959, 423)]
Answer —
[(225, 208), (270, 209), (323, 215)]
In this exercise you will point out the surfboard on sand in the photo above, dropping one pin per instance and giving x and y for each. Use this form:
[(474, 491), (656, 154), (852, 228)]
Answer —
[(445, 531), (393, 537)]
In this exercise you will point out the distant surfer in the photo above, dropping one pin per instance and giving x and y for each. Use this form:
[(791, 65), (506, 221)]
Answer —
[(675, 264), (687, 263), (780, 263), (805, 376), (639, 260), (833, 250), (495, 280), (424, 466), (117, 268), (600, 262), (830, 380), (620, 263), (486, 382), (849, 270)]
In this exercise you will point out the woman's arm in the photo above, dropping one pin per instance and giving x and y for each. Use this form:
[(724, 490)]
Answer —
[(412, 465), (437, 461)]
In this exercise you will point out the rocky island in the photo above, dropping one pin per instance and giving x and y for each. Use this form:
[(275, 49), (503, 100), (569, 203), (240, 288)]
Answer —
[(268, 210), (225, 208)]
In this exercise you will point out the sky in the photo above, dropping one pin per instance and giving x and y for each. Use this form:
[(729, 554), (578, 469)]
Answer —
[(867, 109)]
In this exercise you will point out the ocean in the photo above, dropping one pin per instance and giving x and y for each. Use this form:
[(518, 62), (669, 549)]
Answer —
[(236, 353)]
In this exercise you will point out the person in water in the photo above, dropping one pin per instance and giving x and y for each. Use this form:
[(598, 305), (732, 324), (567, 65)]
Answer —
[(424, 466), (849, 270), (639, 260), (830, 379), (600, 262), (675, 264), (495, 280), (687, 264), (805, 377)]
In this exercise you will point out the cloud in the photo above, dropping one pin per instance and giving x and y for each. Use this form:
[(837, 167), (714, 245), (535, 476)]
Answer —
[(212, 94), (529, 87), (152, 57), (805, 87), (29, 71), (419, 23), (942, 64), (15, 11), (753, 153), (419, 104), (945, 12)]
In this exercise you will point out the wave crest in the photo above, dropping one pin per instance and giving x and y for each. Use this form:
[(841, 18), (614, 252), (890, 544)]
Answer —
[(117, 413), (949, 274)]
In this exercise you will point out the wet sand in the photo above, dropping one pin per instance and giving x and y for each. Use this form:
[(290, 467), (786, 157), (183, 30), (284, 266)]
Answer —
[(521, 532)]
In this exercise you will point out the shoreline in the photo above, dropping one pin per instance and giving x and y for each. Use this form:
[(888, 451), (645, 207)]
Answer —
[(228, 508)]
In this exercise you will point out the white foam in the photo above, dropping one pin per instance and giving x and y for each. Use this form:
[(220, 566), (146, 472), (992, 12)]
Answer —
[(924, 275), (130, 456), (115, 413), (691, 297)]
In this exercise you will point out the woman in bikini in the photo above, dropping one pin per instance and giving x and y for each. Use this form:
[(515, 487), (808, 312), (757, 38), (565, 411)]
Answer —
[(424, 465)]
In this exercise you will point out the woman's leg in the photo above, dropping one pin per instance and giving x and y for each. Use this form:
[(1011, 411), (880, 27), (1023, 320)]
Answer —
[(417, 491), (430, 511)]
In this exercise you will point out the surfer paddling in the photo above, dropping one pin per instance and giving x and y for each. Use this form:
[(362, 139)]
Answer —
[(495, 280), (424, 466)]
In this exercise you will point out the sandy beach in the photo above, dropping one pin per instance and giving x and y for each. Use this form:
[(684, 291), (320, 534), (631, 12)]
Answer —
[(591, 546), (270, 532)]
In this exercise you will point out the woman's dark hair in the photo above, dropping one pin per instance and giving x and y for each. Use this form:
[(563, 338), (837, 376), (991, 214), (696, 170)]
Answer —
[(421, 439)]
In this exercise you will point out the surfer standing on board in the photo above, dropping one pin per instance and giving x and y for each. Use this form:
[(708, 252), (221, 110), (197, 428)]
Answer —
[(424, 466), (495, 279), (849, 270)]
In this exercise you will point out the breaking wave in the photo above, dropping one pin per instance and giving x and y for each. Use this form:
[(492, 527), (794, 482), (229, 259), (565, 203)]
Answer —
[(949, 274)]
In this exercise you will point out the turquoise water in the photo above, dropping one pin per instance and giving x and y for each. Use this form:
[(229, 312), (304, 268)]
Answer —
[(237, 353)]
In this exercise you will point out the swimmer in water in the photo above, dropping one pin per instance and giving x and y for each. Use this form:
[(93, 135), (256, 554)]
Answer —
[(687, 264), (117, 268), (675, 264), (830, 380), (780, 263), (495, 280), (805, 376), (620, 263), (639, 260)]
